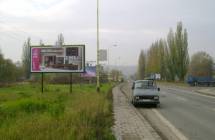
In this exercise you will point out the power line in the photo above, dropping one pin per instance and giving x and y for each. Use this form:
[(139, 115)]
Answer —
[(11, 36), (18, 30)]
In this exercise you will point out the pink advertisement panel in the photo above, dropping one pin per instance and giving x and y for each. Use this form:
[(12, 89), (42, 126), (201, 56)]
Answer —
[(36, 59)]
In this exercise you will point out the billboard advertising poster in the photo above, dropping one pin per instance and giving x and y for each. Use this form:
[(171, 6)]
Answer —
[(89, 72), (67, 59)]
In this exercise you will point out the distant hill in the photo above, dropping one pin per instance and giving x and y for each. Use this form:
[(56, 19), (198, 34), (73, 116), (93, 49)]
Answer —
[(127, 70)]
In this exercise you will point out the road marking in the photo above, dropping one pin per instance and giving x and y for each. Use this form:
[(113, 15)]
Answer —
[(181, 99), (209, 96), (175, 130), (164, 92), (191, 92)]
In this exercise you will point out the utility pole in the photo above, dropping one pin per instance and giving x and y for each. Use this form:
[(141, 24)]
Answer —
[(98, 66)]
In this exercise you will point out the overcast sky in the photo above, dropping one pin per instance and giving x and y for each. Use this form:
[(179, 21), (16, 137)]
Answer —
[(127, 26)]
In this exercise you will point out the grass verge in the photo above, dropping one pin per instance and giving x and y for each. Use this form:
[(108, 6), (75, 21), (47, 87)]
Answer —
[(26, 114)]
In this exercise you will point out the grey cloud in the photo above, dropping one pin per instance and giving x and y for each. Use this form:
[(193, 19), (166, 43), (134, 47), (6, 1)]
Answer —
[(132, 24)]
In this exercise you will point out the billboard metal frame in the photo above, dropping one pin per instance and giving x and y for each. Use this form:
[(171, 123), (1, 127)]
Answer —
[(69, 72), (50, 46)]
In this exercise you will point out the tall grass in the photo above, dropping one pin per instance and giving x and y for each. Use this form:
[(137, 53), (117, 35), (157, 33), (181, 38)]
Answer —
[(26, 114)]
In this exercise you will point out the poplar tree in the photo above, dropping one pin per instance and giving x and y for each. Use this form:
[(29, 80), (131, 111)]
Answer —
[(182, 55), (163, 64), (171, 55), (141, 65), (26, 61)]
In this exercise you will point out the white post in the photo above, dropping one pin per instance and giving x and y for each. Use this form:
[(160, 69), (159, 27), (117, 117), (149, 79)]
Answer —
[(98, 67)]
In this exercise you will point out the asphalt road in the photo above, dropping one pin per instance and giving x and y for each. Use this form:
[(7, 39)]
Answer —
[(191, 113)]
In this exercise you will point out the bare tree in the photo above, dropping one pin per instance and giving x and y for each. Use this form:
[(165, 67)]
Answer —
[(60, 40)]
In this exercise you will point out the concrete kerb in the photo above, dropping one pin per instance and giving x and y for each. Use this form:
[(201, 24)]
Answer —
[(205, 93), (137, 121), (176, 134)]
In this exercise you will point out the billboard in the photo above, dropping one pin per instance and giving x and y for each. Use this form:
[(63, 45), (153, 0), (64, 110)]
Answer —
[(89, 72), (67, 59)]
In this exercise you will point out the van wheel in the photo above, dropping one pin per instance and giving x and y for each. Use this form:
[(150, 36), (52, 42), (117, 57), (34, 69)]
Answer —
[(157, 105), (134, 103), (132, 100)]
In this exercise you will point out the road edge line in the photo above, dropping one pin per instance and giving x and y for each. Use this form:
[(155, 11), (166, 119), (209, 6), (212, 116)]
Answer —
[(194, 92), (205, 94), (173, 128), (152, 130), (191, 91)]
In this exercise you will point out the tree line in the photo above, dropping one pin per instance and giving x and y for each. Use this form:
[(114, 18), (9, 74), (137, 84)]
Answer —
[(60, 77), (11, 72), (170, 58)]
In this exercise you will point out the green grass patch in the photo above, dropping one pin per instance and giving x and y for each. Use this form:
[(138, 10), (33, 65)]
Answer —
[(27, 114)]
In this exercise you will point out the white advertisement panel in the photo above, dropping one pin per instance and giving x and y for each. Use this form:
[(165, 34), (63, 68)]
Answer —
[(67, 59)]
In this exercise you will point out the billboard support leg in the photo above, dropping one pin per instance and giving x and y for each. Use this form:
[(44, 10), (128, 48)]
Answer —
[(42, 83), (70, 83)]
